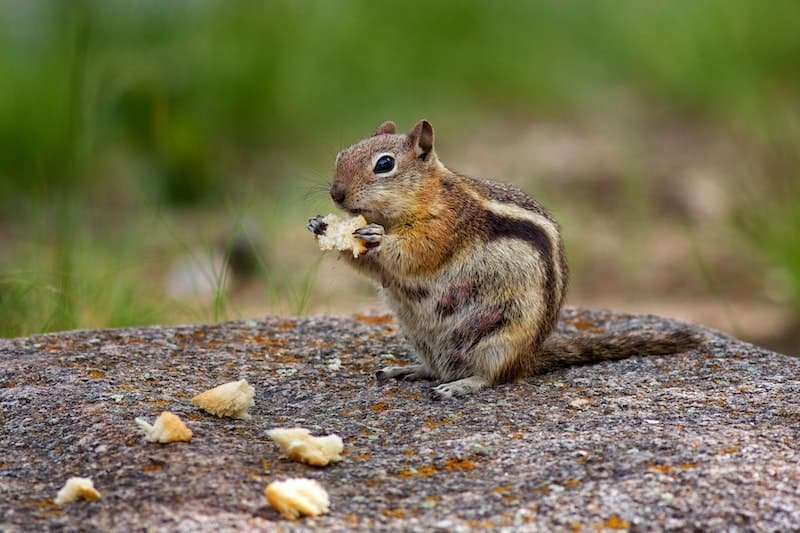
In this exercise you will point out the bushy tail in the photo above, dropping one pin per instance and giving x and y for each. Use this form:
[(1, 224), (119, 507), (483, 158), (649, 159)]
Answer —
[(566, 350)]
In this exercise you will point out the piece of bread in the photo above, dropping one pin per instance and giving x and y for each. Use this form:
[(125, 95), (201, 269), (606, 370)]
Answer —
[(298, 496), (230, 399), (77, 488), (339, 234), (167, 428), (300, 446)]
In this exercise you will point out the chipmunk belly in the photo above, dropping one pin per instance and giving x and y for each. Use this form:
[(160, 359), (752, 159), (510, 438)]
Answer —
[(470, 319)]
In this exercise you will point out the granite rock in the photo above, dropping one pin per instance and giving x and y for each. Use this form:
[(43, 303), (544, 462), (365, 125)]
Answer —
[(708, 439)]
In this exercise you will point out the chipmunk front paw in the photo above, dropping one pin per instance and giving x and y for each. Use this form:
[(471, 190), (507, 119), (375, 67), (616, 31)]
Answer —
[(372, 235), (317, 225)]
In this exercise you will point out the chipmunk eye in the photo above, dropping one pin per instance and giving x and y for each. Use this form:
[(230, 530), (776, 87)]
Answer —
[(384, 164)]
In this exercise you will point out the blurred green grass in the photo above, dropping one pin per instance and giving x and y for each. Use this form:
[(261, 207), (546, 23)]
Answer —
[(111, 111)]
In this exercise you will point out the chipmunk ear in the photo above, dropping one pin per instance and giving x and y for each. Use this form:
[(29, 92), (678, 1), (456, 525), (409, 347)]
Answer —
[(421, 137), (386, 127)]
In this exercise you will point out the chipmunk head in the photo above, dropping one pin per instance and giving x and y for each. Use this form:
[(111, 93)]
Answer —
[(370, 173)]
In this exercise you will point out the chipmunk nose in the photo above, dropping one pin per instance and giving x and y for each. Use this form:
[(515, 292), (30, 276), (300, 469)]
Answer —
[(338, 192)]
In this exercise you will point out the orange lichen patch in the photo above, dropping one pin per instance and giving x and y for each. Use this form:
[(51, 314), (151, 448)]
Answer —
[(573, 483), (423, 471), (380, 407), (130, 442), (351, 518), (660, 468), (286, 324), (409, 453), (270, 342), (729, 450), (526, 517), (433, 500), (582, 324), (576, 527), (363, 368), (156, 402), (125, 387), (516, 436), (255, 475), (96, 374), (430, 423), (374, 319), (459, 464), (426, 471), (481, 524), (185, 339), (345, 412), (153, 467), (194, 416), (502, 489), (668, 468), (613, 522), (394, 513), (366, 456)]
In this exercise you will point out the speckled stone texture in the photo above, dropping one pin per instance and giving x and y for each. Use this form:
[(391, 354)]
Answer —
[(703, 440)]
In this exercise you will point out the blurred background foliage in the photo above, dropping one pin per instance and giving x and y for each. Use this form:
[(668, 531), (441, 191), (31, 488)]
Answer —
[(158, 159)]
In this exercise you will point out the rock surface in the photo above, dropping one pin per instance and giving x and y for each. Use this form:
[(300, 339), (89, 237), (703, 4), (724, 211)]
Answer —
[(707, 440)]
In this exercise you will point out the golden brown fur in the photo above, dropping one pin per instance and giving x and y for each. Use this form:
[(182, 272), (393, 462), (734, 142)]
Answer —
[(474, 270)]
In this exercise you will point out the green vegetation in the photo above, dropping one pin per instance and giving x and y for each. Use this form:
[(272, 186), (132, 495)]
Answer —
[(121, 120)]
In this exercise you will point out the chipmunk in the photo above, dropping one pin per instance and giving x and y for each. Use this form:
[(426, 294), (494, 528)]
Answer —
[(474, 270)]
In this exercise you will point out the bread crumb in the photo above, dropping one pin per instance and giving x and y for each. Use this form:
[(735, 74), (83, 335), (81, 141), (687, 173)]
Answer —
[(167, 428), (298, 496), (300, 446), (230, 399), (77, 488), (339, 234)]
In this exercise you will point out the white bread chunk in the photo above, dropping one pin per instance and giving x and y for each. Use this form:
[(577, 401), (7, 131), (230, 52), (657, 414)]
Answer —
[(77, 488), (230, 399), (298, 496), (339, 234), (167, 428), (298, 445)]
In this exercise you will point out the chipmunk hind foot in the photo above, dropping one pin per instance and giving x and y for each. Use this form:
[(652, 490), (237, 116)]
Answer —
[(459, 387), (404, 373)]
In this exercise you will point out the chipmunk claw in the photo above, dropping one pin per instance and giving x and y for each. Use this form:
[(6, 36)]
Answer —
[(370, 234), (317, 225)]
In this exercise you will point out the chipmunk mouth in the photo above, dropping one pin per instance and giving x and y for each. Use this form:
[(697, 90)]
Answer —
[(365, 214)]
